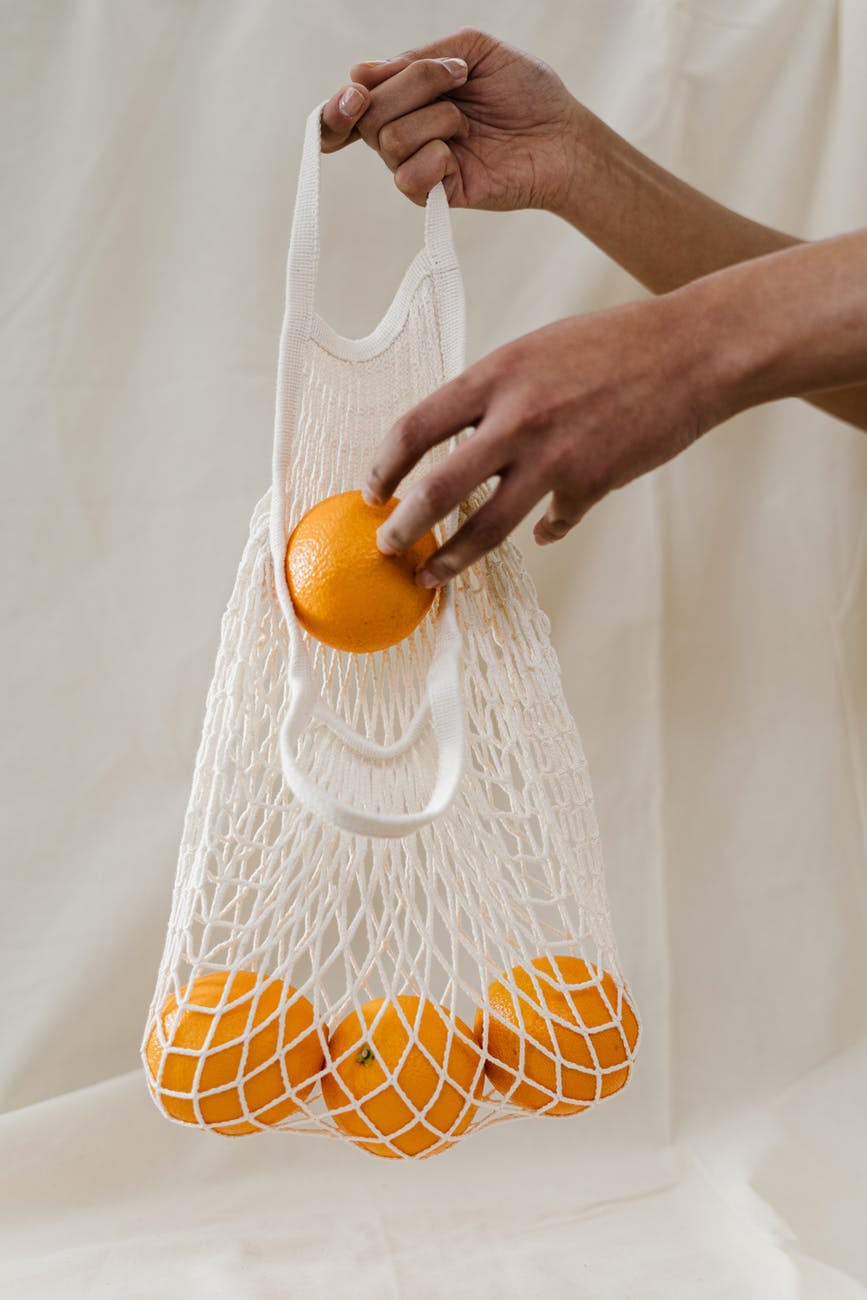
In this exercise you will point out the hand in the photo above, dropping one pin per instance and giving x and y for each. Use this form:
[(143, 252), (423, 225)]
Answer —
[(498, 128), (577, 408)]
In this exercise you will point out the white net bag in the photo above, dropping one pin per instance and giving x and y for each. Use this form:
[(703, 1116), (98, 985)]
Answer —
[(389, 920)]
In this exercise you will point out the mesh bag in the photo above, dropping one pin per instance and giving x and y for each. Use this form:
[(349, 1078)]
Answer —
[(389, 920)]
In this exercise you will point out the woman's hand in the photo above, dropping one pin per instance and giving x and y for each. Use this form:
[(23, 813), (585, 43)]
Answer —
[(586, 404), (498, 127), (574, 409)]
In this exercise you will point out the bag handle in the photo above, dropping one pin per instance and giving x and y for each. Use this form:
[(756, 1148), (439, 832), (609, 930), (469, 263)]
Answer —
[(303, 267), (442, 701)]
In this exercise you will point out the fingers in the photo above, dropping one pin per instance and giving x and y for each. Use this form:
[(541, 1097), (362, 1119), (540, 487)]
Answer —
[(340, 115), (467, 43), (417, 85), (432, 77), (418, 175), (401, 86), (346, 106), (562, 515), (518, 492), (404, 136), (477, 459), (447, 410), (374, 71)]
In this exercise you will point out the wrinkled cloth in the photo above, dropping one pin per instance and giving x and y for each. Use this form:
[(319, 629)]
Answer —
[(710, 618)]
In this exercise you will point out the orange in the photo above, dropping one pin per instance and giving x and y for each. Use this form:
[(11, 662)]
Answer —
[(411, 1097), (518, 1005), (345, 591), (214, 1035)]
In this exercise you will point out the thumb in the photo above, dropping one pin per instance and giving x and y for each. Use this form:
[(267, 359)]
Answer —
[(340, 115), (562, 515)]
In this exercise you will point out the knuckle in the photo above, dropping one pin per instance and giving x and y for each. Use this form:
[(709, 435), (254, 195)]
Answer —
[(372, 120), (409, 187), (435, 496), (456, 116), (556, 459), (389, 139), (469, 390), (445, 565), (431, 72), (391, 535), (368, 130), (440, 150), (537, 408), (408, 434), (487, 532), (510, 365), (466, 37), (470, 379), (594, 479)]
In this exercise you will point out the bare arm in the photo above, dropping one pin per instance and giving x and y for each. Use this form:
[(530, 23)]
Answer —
[(664, 232), (742, 314), (586, 404), (502, 131)]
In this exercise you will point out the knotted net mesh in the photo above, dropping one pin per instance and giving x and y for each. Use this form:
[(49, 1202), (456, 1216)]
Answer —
[(393, 990)]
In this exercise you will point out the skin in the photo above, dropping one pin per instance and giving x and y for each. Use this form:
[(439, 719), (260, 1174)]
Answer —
[(744, 314)]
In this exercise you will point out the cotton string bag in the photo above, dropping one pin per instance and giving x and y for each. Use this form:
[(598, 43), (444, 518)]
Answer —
[(376, 843)]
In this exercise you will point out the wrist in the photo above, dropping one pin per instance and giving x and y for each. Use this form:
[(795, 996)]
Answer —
[(730, 360), (783, 325), (580, 164)]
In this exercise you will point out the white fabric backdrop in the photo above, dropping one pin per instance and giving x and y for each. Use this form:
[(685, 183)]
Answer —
[(711, 620)]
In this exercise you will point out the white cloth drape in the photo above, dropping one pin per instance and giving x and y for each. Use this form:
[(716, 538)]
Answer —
[(711, 620)]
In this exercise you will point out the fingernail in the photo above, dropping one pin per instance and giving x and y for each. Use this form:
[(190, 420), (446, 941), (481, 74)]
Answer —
[(425, 579), (385, 546), (370, 497), (457, 67), (351, 101)]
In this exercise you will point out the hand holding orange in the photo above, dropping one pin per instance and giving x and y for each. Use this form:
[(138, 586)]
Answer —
[(345, 592)]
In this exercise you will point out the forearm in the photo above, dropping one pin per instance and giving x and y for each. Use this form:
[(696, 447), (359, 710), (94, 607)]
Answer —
[(665, 232), (654, 225), (782, 325)]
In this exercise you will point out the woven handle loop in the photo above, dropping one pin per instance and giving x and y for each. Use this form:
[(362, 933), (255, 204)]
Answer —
[(442, 703)]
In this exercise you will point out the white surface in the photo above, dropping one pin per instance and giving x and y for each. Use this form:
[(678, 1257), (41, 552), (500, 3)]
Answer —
[(711, 621)]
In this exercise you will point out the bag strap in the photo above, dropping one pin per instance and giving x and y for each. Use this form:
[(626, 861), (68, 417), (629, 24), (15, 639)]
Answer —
[(443, 702)]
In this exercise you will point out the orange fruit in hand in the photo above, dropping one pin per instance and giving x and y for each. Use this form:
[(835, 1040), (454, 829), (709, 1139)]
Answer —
[(517, 1007), (214, 1035), (345, 591), (426, 1099)]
